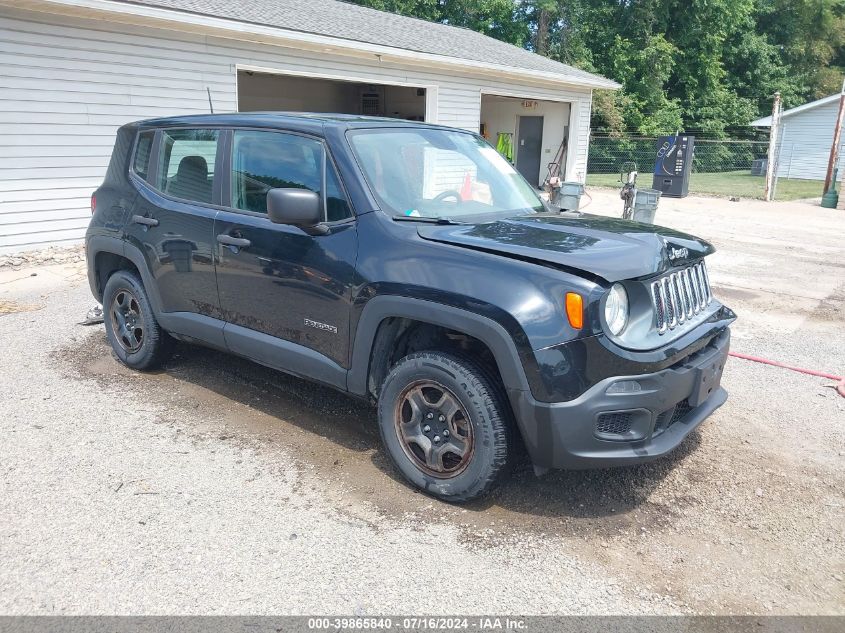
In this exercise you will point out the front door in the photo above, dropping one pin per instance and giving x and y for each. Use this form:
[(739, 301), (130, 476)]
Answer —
[(278, 280), (529, 146)]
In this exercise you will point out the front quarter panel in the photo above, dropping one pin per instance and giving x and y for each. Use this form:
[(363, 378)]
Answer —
[(527, 300)]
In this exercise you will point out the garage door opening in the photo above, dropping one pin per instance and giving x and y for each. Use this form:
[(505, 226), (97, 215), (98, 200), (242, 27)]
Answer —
[(287, 93), (531, 133)]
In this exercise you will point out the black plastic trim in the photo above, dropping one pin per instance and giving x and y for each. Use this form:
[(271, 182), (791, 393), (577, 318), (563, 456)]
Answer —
[(486, 330), (116, 246), (285, 356), (194, 327)]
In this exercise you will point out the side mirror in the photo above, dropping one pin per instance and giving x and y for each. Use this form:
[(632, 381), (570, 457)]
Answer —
[(299, 207)]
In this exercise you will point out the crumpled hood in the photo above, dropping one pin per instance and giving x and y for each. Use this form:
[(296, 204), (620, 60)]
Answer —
[(610, 248)]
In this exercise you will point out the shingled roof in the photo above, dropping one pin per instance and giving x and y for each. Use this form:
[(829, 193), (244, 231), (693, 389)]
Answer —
[(354, 23)]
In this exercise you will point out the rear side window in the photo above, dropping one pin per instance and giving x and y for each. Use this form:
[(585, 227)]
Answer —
[(143, 149), (186, 164), (268, 160)]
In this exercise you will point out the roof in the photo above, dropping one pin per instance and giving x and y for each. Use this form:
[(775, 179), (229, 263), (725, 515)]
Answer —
[(356, 24), (767, 121), (311, 122)]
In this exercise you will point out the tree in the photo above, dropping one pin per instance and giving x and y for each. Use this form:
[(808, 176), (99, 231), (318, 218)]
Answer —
[(811, 37), (502, 19), (708, 66)]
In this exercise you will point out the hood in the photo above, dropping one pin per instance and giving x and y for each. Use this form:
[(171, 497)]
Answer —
[(610, 248)]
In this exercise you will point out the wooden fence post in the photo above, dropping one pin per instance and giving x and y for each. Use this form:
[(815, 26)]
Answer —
[(771, 164), (837, 139)]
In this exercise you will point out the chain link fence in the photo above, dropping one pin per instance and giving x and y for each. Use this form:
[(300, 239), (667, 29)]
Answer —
[(728, 167)]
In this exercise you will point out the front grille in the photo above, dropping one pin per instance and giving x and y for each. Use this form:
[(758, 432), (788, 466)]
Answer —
[(678, 297), (613, 423)]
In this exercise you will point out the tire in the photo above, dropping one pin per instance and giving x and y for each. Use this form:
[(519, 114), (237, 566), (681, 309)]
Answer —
[(482, 426), (141, 344)]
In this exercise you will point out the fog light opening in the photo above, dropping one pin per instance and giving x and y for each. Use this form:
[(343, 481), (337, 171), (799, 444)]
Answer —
[(623, 387)]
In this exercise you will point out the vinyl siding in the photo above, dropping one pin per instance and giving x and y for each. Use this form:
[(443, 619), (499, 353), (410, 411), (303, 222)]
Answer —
[(805, 143), (68, 83), (841, 190)]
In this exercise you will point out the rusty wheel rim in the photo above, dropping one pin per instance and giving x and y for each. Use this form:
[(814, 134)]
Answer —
[(434, 429)]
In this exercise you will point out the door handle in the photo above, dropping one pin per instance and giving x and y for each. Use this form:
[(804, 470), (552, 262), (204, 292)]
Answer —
[(140, 219), (228, 240)]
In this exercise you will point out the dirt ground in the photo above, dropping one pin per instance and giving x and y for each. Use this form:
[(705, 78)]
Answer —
[(181, 490)]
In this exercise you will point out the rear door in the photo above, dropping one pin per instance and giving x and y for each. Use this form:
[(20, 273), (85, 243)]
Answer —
[(172, 221), (278, 280)]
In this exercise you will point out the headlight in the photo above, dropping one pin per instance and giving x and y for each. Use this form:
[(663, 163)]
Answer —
[(616, 309)]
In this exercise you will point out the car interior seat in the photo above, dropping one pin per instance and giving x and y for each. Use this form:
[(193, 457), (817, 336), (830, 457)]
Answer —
[(191, 181)]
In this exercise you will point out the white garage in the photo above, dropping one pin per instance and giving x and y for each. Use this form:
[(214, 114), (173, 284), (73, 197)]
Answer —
[(805, 139), (75, 70)]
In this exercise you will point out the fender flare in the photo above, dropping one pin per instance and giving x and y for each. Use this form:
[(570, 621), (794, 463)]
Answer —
[(486, 330), (105, 244)]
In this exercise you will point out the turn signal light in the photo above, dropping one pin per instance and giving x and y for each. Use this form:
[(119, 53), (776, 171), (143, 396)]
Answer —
[(93, 203), (575, 310)]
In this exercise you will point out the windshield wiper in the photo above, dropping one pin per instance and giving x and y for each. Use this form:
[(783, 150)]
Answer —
[(422, 218)]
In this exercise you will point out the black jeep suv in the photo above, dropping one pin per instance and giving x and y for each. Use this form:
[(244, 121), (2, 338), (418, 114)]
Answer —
[(409, 264)]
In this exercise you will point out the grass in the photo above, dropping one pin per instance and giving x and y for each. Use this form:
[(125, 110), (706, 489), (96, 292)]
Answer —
[(732, 183)]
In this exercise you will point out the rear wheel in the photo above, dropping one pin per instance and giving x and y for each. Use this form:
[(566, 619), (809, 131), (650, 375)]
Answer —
[(135, 336), (445, 425)]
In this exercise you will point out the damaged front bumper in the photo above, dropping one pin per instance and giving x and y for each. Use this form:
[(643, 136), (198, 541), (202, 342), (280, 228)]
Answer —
[(625, 420)]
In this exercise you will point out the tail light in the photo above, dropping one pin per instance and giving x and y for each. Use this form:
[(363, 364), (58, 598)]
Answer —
[(93, 203)]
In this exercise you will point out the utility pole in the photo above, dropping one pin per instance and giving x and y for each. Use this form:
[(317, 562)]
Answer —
[(834, 149), (771, 164)]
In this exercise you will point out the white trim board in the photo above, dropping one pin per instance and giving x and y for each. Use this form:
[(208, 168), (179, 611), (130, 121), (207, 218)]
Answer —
[(222, 27)]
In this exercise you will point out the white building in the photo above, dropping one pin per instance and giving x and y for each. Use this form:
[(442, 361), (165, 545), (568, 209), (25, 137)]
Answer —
[(806, 138), (75, 70)]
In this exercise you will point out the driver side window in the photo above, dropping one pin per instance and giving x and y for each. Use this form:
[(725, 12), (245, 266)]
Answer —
[(267, 160)]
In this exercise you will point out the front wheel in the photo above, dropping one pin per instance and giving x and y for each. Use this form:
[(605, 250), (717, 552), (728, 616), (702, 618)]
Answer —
[(445, 425)]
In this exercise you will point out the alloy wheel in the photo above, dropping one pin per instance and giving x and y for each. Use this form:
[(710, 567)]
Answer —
[(126, 321)]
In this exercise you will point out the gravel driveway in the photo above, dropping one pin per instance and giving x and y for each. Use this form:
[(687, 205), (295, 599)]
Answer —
[(218, 486)]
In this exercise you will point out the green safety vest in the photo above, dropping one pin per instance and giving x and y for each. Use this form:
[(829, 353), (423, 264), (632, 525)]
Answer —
[(504, 145)]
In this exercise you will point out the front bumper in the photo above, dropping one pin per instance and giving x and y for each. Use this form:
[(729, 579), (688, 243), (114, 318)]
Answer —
[(600, 429)]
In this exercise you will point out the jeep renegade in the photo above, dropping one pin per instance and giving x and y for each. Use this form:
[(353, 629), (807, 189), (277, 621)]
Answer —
[(411, 265)]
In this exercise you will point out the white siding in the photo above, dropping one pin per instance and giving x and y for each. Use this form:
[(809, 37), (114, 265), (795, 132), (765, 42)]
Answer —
[(805, 143), (67, 83), (841, 189)]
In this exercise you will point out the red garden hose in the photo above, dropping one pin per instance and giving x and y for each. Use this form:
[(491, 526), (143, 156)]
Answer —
[(840, 387)]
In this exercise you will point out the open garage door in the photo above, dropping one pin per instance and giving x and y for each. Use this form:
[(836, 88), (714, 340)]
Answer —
[(288, 93), (533, 134)]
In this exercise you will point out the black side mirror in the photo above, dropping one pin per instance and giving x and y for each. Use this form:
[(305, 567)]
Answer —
[(299, 207)]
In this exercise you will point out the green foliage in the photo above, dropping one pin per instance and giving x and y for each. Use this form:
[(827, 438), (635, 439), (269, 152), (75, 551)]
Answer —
[(811, 35), (705, 66), (502, 19)]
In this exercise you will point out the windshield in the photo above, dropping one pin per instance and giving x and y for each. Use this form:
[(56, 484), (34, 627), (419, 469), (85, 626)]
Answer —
[(433, 173)]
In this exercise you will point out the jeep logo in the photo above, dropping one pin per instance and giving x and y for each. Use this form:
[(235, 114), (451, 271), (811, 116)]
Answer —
[(678, 253)]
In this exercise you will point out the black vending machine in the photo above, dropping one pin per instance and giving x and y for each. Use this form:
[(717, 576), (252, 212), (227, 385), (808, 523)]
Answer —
[(673, 165)]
